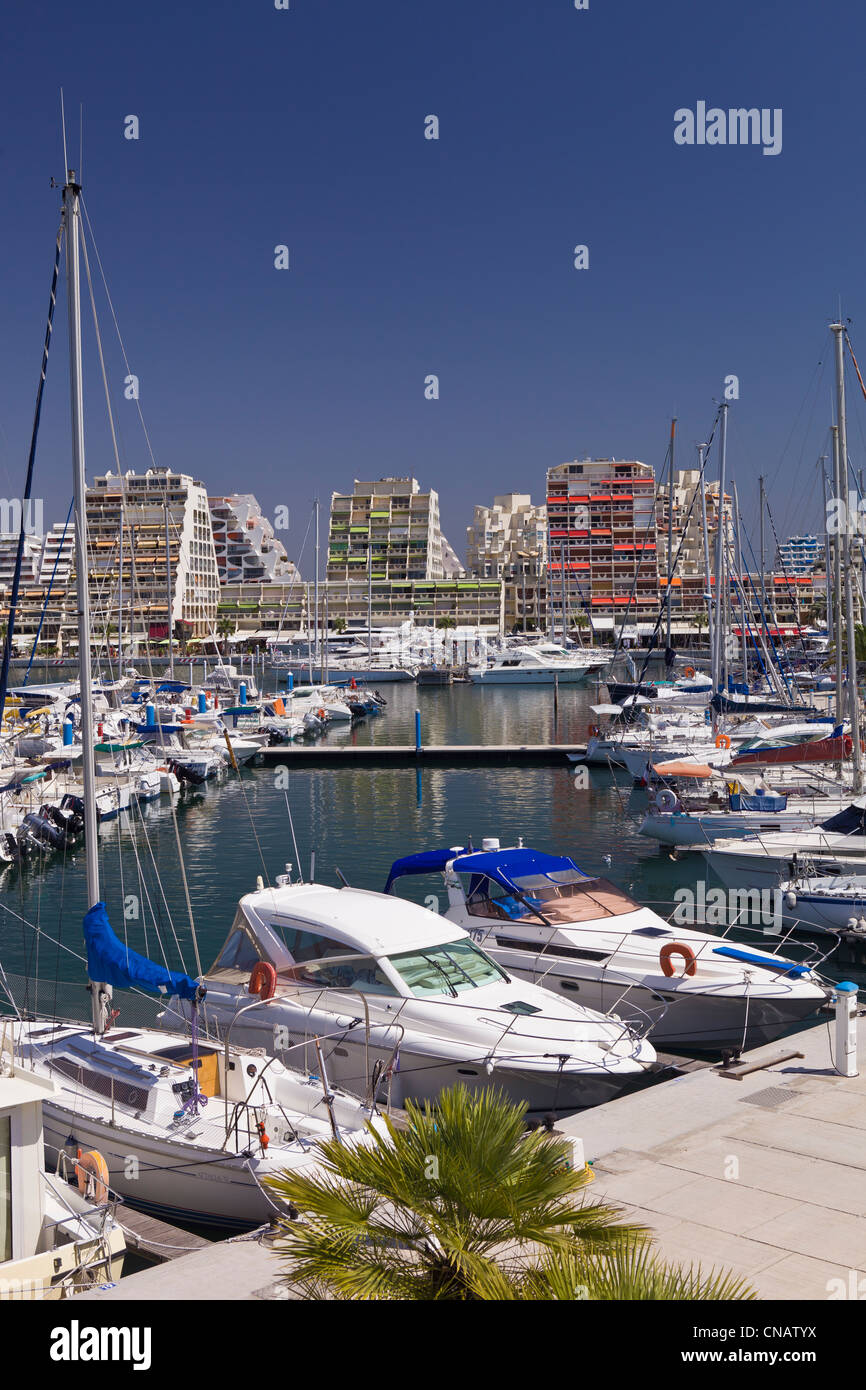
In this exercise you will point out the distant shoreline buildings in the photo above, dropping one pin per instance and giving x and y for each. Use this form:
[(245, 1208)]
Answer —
[(168, 562)]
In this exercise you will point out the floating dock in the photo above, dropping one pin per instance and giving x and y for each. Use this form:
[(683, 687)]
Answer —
[(429, 755)]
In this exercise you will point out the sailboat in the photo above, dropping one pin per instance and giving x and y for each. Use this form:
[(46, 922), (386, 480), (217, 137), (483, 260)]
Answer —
[(178, 1127)]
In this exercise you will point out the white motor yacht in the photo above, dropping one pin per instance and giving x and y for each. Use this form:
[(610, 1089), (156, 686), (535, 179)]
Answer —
[(541, 665), (543, 919), (410, 1003)]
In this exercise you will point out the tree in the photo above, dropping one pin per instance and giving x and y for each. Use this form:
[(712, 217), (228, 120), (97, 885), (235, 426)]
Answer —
[(445, 623), (465, 1204), (339, 624), (225, 630)]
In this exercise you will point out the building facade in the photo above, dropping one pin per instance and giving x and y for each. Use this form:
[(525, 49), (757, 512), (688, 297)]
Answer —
[(602, 569), (157, 587), (386, 530), (247, 550)]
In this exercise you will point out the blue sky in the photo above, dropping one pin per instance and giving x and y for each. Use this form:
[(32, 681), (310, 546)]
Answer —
[(453, 257)]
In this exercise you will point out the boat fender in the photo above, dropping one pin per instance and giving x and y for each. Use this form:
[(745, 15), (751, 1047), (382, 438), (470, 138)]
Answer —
[(263, 980), (93, 1175), (723, 741), (666, 800), (677, 948)]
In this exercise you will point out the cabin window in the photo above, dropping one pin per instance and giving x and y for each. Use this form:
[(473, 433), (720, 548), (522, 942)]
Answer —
[(447, 969), (353, 971), (239, 953)]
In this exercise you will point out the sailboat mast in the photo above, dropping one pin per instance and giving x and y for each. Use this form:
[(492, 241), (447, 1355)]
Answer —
[(702, 484), (718, 664), (100, 992), (670, 527), (837, 329)]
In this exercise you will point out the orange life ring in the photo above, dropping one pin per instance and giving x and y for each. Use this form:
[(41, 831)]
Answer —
[(321, 714), (92, 1175), (592, 731), (722, 741), (689, 672), (677, 948), (847, 745), (263, 980)]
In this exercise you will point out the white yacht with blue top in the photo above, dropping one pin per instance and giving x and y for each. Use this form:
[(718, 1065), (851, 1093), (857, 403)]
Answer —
[(544, 920)]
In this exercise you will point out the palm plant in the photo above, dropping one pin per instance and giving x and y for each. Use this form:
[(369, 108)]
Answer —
[(465, 1204)]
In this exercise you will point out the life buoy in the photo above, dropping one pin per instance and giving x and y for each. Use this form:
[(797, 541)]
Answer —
[(321, 714), (847, 745), (263, 980), (689, 672), (722, 741), (677, 948), (592, 731), (666, 800), (92, 1176)]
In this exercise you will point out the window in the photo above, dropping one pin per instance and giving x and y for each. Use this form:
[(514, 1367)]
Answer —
[(447, 969), (239, 953)]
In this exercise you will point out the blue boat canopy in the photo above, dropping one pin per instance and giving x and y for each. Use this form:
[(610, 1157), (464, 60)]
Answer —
[(505, 866), (115, 964), (502, 866), (431, 862)]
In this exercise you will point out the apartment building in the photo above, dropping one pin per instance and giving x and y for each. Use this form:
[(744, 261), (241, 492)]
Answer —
[(800, 554), (160, 587), (386, 530), (602, 566), (247, 550)]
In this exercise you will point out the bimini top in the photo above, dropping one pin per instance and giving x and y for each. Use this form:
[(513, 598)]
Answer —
[(502, 866)]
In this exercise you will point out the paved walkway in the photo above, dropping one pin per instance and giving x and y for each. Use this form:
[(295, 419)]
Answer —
[(766, 1175)]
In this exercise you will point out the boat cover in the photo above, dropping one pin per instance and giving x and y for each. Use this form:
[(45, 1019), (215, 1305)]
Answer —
[(110, 961)]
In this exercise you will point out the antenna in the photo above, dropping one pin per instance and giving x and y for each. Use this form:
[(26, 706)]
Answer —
[(81, 142), (292, 827), (63, 130)]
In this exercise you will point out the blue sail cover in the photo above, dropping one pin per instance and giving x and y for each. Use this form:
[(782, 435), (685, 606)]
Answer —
[(115, 964)]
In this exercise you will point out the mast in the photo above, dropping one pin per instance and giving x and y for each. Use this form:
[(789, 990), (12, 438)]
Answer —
[(168, 588), (120, 587), (828, 610), (370, 600), (838, 620), (741, 586), (316, 621), (837, 330), (763, 566), (719, 670), (702, 449), (100, 993), (671, 525)]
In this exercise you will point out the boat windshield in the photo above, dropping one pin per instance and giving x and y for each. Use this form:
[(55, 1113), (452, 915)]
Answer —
[(447, 969), (560, 897)]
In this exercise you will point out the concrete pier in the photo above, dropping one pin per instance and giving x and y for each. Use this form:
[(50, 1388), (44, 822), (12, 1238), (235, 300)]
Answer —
[(765, 1175)]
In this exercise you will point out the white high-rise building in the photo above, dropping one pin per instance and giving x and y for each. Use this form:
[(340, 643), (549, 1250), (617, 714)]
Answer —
[(388, 530), (58, 548), (156, 585), (507, 539)]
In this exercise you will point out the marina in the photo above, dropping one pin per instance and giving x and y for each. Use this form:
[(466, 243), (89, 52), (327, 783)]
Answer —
[(385, 919)]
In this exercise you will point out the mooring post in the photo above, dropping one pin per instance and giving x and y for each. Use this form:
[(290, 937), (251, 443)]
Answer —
[(846, 1029), (417, 731)]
